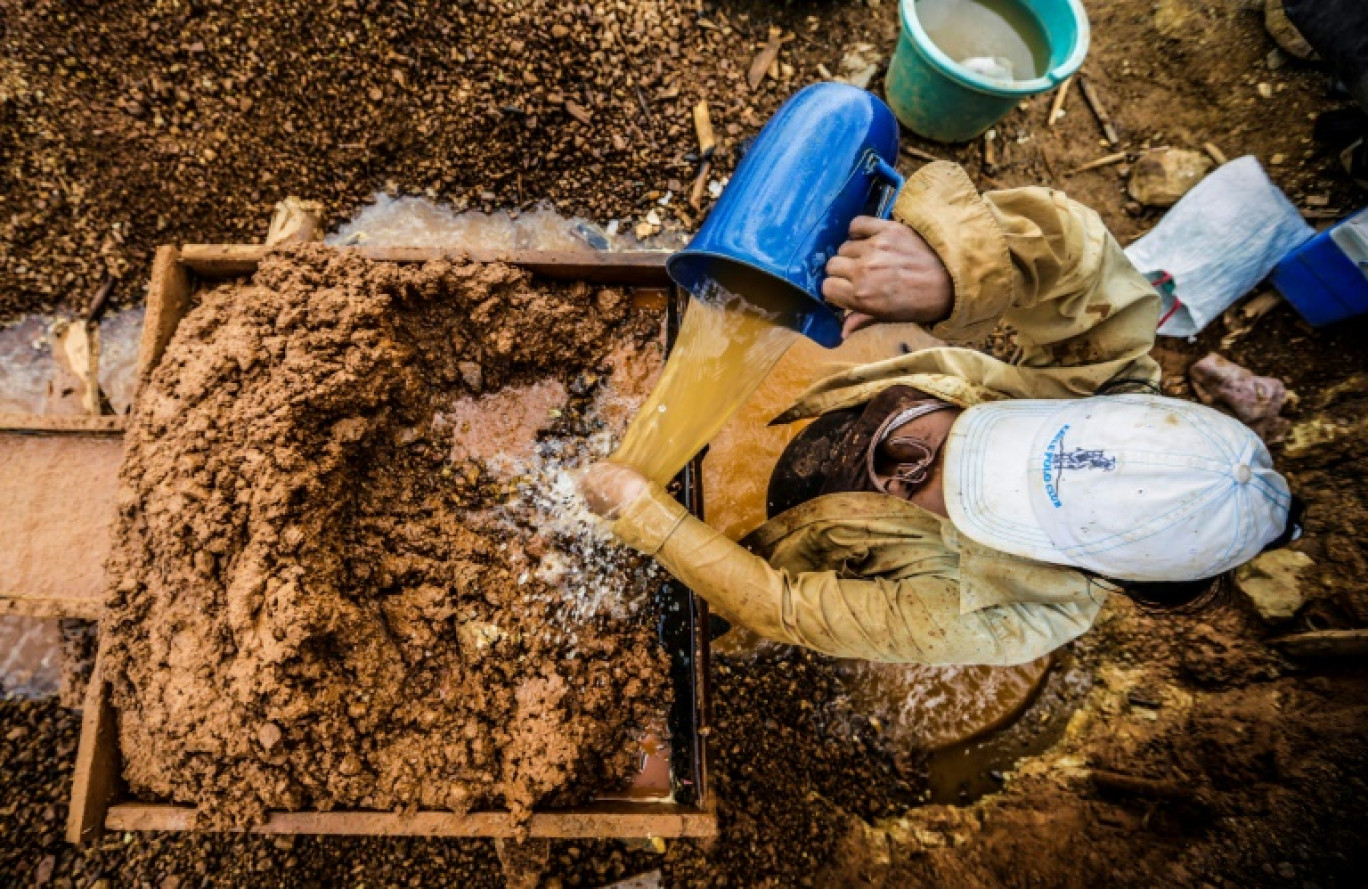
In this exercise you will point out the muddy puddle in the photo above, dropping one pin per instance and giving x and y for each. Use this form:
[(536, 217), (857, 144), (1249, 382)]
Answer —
[(962, 772)]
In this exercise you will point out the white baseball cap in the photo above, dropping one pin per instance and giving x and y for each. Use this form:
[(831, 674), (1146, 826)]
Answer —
[(1131, 487)]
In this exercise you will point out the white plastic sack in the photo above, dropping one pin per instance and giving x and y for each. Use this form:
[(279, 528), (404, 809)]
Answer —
[(1218, 243)]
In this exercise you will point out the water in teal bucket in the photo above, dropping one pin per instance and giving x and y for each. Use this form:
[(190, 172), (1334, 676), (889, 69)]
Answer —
[(992, 37), (961, 65)]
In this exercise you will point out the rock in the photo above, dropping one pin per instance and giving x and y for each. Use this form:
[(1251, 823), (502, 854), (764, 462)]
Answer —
[(472, 374), (859, 65), (1255, 401), (1284, 33), (1309, 436), (1162, 176), (1265, 90), (1272, 583), (577, 111), (295, 221), (43, 873), (269, 735)]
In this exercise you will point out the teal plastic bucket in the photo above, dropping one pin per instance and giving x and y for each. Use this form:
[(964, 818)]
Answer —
[(936, 97)]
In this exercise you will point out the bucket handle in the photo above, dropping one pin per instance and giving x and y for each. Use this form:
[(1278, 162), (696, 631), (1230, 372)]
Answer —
[(892, 180)]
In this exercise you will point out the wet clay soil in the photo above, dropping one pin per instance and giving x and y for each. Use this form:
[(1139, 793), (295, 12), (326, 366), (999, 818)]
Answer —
[(311, 607)]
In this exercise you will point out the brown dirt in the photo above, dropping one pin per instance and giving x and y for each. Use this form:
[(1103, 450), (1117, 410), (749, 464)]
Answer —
[(125, 125), (308, 612)]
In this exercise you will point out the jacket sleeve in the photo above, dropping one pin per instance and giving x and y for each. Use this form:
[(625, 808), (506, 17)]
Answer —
[(1040, 262), (915, 620)]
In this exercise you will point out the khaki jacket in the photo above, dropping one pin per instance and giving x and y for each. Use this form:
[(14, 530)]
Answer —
[(871, 576)]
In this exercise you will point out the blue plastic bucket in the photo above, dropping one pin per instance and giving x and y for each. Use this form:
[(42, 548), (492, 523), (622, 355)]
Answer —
[(1326, 279), (825, 157), (936, 97)]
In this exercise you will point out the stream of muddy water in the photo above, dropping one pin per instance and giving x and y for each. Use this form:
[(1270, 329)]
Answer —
[(725, 349)]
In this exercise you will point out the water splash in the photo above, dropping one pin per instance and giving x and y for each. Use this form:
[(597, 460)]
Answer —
[(30, 656), (418, 222)]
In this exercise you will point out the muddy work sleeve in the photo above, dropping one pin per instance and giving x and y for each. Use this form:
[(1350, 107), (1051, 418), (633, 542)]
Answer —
[(1042, 263), (914, 620)]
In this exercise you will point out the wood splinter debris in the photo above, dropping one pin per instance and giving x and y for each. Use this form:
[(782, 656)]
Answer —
[(97, 302), (1104, 161), (765, 59), (1133, 785), (1216, 154), (707, 143), (913, 151), (1324, 643), (1057, 107), (1095, 104), (577, 111)]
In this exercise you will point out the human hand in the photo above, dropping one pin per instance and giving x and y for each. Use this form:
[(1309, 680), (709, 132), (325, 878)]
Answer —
[(610, 487), (887, 272)]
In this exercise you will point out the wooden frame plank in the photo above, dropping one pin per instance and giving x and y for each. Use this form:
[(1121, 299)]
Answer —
[(97, 770), (59, 424), (50, 607), (168, 299), (623, 821), (219, 261)]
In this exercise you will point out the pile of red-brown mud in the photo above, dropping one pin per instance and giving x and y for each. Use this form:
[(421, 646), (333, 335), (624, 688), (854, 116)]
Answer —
[(312, 606)]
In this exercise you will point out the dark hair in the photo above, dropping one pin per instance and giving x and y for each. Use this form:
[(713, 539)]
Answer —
[(1128, 386), (1177, 597)]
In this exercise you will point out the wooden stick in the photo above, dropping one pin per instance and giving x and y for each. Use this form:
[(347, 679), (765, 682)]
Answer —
[(1216, 154), (1322, 643), (760, 65), (1100, 112), (97, 302), (1057, 107), (1134, 786), (707, 143), (990, 150), (1104, 161), (1049, 167), (912, 151)]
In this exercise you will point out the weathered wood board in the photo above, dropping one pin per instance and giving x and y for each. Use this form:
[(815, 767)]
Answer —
[(55, 522)]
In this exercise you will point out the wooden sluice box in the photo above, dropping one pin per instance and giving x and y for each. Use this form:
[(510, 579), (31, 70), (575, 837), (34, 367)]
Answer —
[(100, 801)]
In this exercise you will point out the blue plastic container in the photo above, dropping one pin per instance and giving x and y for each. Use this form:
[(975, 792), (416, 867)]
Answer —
[(1326, 279), (936, 97), (824, 158)]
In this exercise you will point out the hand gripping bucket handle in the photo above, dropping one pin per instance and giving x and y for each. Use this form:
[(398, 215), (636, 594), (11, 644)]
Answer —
[(892, 181), (824, 158)]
